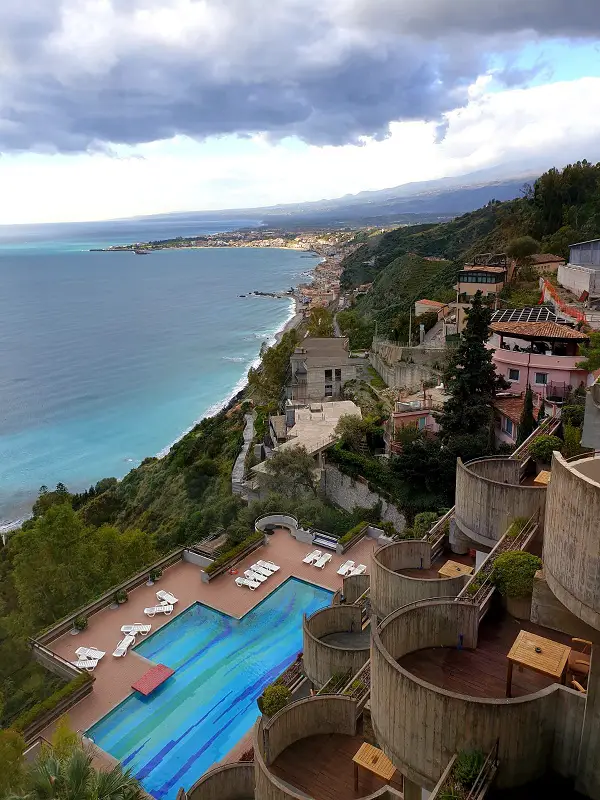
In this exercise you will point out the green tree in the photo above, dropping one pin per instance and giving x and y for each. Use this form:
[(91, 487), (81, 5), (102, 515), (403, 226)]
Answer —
[(471, 379), (590, 353), (12, 766), (355, 432), (522, 248), (527, 423), (320, 323), (266, 381), (292, 472)]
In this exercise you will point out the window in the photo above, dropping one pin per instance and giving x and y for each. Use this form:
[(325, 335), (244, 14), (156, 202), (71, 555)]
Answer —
[(328, 390), (338, 374), (507, 426), (327, 374), (513, 374), (541, 377), (422, 423)]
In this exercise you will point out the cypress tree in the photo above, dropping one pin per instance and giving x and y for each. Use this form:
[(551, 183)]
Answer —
[(471, 379), (527, 423)]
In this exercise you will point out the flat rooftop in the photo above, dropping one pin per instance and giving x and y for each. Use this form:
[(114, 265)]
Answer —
[(482, 672), (114, 676), (316, 351)]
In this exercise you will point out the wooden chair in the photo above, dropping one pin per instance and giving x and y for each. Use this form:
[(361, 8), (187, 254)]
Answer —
[(579, 660), (579, 687)]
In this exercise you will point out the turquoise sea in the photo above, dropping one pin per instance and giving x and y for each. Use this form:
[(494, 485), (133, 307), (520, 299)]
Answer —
[(106, 358)]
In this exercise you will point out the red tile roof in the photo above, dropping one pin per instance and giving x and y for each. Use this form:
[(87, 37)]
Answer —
[(512, 407), (538, 330), (546, 258), (152, 679), (432, 303)]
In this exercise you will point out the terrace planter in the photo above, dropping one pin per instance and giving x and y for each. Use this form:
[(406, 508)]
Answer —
[(519, 607)]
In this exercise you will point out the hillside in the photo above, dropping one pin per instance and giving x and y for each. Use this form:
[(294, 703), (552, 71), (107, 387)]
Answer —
[(562, 207)]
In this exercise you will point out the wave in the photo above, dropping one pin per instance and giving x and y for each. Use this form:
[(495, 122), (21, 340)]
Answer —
[(13, 524), (236, 359), (241, 384)]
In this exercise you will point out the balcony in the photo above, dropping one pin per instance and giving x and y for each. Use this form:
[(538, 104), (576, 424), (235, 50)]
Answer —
[(334, 642), (306, 750), (571, 540), (489, 495), (438, 687), (403, 572), (229, 782)]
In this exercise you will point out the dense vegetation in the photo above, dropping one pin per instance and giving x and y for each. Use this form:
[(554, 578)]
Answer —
[(562, 207)]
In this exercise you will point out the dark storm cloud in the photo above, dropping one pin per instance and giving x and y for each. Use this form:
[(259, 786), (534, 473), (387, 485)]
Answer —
[(79, 74)]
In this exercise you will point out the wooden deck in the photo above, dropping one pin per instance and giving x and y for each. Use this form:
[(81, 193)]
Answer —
[(482, 672), (321, 767), (432, 572)]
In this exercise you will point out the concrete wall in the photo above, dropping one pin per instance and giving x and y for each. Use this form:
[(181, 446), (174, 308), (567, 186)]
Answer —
[(353, 586), (55, 663), (390, 591), (546, 610), (591, 422), (588, 771), (571, 538), (196, 558), (299, 720), (348, 493), (420, 726), (578, 279), (229, 782), (489, 497), (322, 660)]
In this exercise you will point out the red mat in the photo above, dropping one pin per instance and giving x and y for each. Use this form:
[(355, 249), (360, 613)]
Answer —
[(152, 679)]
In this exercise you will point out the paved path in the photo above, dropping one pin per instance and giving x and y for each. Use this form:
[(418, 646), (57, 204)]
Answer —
[(237, 474)]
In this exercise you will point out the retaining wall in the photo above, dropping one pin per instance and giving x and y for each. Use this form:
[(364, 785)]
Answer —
[(571, 537), (322, 660), (349, 493), (229, 782), (197, 559), (390, 591), (489, 497), (420, 726)]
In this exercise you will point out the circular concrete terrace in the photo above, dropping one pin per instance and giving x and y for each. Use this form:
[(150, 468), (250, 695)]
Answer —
[(334, 642)]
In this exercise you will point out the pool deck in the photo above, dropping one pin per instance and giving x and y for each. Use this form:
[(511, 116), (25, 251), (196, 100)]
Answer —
[(114, 676)]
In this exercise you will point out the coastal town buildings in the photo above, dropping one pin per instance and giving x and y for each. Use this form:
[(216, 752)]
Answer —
[(319, 368), (581, 275), (430, 306)]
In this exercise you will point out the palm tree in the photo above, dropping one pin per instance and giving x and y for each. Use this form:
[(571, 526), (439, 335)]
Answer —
[(74, 778)]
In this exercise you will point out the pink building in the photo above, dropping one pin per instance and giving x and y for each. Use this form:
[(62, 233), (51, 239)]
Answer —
[(507, 415), (411, 414), (543, 355)]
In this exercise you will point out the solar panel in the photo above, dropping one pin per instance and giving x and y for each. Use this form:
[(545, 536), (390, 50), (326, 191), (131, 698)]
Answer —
[(531, 314)]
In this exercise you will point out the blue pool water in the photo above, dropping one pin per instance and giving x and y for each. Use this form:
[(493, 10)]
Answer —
[(222, 665)]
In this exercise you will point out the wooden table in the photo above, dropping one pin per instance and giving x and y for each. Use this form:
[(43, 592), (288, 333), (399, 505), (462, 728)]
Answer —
[(551, 660), (452, 569), (374, 760), (543, 479)]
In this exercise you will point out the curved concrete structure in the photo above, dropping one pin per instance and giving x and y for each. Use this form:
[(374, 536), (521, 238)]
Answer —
[(276, 520), (229, 782), (420, 726), (354, 586), (572, 536), (489, 497), (390, 591), (334, 642)]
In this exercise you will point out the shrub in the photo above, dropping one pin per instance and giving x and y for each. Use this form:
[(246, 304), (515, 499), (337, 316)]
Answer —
[(274, 698), (513, 573), (155, 574), (467, 767), (349, 536), (121, 596), (27, 718), (80, 623), (542, 447), (235, 551), (516, 527)]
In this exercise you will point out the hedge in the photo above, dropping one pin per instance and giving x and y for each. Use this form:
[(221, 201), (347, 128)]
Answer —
[(347, 537), (27, 718), (235, 551)]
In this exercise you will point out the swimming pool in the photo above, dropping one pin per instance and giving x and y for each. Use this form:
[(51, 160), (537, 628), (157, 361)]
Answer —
[(222, 665)]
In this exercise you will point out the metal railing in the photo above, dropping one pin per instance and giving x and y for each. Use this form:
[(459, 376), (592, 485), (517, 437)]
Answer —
[(486, 775)]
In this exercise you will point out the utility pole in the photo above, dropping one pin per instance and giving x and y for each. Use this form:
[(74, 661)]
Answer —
[(410, 326)]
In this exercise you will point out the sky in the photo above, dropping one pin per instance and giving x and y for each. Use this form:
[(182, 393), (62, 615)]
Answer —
[(115, 108)]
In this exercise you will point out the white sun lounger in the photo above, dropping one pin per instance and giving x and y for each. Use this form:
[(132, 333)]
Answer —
[(123, 646), (88, 664), (252, 585), (268, 565), (166, 597), (325, 559), (346, 568), (89, 653), (312, 557), (360, 570), (162, 609), (137, 627), (261, 570), (255, 576)]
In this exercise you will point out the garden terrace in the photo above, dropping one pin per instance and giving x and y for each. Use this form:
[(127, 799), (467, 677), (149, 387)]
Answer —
[(306, 750), (430, 699)]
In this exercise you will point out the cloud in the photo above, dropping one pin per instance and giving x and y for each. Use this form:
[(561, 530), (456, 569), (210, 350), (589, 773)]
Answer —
[(78, 74)]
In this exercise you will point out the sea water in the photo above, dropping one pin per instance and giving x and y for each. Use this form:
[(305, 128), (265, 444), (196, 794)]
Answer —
[(106, 358)]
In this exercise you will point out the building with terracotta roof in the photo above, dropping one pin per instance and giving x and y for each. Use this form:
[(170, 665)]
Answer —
[(429, 306), (544, 355), (507, 416)]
